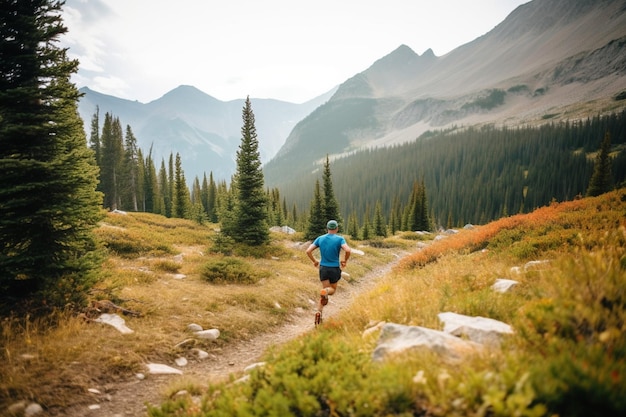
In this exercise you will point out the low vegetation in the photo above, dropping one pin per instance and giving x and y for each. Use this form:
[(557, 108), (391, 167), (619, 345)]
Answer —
[(171, 272), (566, 357)]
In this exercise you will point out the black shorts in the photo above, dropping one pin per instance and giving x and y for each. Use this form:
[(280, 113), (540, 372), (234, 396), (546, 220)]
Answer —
[(331, 273)]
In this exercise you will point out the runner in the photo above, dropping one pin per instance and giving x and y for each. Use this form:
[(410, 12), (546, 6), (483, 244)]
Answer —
[(330, 266)]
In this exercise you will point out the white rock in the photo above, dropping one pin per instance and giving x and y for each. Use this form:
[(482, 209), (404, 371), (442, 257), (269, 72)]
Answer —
[(94, 407), (140, 376), (94, 391), (373, 329), (115, 321), (481, 330), (160, 369), (180, 361), (193, 327), (33, 409), (250, 368), (503, 285), (200, 354), (180, 276), (358, 252), (534, 264), (396, 338), (211, 334), (28, 356), (17, 408)]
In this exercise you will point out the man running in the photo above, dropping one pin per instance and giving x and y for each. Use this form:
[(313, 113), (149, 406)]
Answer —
[(330, 266)]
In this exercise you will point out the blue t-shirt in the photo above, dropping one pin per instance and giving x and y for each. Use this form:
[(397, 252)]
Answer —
[(330, 247)]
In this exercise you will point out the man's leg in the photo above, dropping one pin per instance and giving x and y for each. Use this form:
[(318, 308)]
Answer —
[(328, 288)]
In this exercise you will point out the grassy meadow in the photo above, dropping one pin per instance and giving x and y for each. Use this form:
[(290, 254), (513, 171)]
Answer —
[(172, 272), (567, 356)]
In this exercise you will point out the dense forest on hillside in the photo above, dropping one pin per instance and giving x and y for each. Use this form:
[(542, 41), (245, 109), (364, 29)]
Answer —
[(471, 175)]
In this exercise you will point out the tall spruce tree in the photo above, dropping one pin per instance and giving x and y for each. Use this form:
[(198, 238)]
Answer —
[(49, 205), (331, 207), (602, 178), (182, 199), (250, 219), (317, 220), (128, 182)]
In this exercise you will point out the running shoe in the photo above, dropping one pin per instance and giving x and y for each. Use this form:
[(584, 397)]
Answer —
[(324, 297), (318, 318)]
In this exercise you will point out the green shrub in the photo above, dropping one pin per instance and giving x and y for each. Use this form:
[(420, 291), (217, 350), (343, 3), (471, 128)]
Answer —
[(575, 335), (231, 270), (167, 266)]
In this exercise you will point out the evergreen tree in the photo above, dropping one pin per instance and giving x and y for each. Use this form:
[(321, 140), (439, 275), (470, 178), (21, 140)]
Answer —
[(49, 205), (141, 181), (150, 185), (602, 177), (164, 190), (170, 185), (112, 158), (330, 207), (353, 225), (212, 200), (182, 200), (250, 221), (380, 228), (317, 220), (94, 137), (128, 182)]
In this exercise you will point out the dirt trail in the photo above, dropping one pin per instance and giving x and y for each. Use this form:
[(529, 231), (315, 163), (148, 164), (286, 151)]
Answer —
[(129, 398)]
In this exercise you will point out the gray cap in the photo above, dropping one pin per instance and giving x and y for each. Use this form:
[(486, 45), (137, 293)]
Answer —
[(332, 225)]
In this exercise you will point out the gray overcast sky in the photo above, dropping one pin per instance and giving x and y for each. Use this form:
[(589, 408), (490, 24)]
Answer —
[(284, 49)]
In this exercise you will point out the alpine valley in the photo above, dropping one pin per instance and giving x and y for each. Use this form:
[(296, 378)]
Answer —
[(549, 62)]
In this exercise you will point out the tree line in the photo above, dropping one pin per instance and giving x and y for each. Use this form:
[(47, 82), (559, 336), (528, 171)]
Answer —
[(129, 181), (475, 174)]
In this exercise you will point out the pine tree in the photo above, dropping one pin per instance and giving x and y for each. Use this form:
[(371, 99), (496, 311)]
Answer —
[(212, 200), (112, 157), (380, 228), (182, 200), (317, 220), (331, 207), (128, 182), (94, 137), (602, 178), (49, 205), (353, 225), (150, 189), (250, 220)]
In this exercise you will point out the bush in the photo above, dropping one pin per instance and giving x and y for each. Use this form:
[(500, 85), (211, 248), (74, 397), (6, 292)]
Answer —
[(231, 270), (575, 333)]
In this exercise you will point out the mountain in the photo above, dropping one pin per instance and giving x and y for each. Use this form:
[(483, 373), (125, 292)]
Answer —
[(205, 131), (549, 60)]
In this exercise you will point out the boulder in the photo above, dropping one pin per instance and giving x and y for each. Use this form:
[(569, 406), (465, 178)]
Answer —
[(481, 330), (397, 338), (503, 285)]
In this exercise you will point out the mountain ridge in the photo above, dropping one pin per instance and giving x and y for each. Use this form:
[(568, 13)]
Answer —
[(549, 58), (204, 130)]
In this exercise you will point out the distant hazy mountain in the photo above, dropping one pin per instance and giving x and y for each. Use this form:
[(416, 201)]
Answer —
[(205, 131), (548, 60)]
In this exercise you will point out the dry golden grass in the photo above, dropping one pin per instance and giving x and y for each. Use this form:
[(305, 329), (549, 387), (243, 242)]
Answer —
[(155, 268)]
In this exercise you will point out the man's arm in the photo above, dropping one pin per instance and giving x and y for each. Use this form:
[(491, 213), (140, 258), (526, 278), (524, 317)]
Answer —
[(309, 253), (346, 256)]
